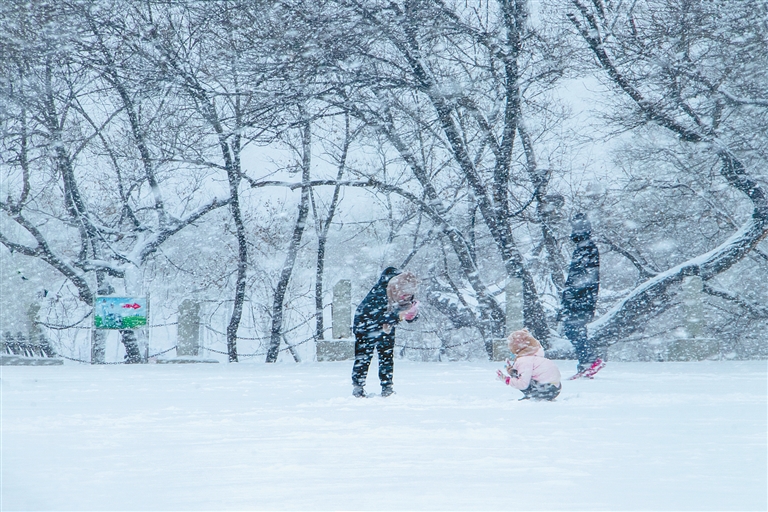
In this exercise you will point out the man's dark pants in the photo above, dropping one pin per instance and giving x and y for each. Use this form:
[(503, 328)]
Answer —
[(364, 346), (576, 332)]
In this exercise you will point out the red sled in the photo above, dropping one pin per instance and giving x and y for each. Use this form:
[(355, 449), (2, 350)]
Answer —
[(590, 372)]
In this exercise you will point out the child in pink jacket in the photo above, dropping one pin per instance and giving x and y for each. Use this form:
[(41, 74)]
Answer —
[(532, 373)]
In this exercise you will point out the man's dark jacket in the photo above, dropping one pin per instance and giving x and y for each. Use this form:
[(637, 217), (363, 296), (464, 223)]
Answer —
[(372, 313), (581, 287)]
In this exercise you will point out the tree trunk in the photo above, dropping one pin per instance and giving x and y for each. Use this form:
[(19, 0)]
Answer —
[(495, 207), (99, 336), (132, 352), (319, 306), (323, 226), (242, 265), (293, 249)]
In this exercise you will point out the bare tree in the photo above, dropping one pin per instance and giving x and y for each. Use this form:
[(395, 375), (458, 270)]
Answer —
[(678, 67), (53, 79), (293, 248), (457, 76), (213, 53), (323, 225)]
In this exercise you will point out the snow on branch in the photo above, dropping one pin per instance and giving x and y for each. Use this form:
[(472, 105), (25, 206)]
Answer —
[(147, 245), (109, 267), (44, 252), (740, 100), (651, 297), (755, 310)]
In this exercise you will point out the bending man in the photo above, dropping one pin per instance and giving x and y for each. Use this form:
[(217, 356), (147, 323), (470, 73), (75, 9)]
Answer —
[(374, 327)]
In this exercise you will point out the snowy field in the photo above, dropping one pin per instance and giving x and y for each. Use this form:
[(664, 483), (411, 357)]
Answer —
[(641, 436)]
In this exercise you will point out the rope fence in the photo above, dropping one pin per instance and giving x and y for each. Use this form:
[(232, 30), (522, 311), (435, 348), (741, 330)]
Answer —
[(264, 353), (441, 347), (260, 338), (261, 352), (76, 360), (88, 328), (255, 354), (258, 354)]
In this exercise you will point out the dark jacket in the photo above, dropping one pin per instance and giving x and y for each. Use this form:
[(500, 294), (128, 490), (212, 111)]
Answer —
[(581, 287), (372, 313)]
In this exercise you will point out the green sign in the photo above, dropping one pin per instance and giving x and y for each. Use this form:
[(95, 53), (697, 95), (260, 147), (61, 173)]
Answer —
[(120, 313)]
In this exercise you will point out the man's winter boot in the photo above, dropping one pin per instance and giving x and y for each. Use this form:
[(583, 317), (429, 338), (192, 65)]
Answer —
[(358, 392), (387, 391)]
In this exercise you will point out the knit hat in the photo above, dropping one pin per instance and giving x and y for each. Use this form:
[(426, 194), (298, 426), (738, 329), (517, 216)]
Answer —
[(401, 290), (389, 273), (522, 343)]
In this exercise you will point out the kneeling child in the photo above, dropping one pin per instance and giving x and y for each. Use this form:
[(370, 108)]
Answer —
[(532, 373)]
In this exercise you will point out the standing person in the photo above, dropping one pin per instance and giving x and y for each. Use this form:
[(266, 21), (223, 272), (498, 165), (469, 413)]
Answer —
[(532, 373), (374, 327), (577, 307)]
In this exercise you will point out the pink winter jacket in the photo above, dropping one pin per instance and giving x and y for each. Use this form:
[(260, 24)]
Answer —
[(534, 367)]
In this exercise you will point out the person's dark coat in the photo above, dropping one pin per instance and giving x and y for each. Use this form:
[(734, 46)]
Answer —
[(372, 312), (581, 287)]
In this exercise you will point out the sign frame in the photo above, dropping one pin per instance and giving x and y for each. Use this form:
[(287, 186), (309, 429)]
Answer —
[(120, 313)]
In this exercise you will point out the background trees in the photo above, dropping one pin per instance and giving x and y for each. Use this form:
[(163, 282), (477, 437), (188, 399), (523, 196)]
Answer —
[(446, 136), (673, 66), (85, 184)]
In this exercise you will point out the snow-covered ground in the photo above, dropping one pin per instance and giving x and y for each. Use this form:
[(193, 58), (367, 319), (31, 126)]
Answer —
[(641, 436)]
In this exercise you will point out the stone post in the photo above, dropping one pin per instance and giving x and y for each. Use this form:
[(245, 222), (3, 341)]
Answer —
[(692, 295), (341, 310), (694, 346), (33, 330), (188, 329), (514, 304), (514, 317), (341, 346)]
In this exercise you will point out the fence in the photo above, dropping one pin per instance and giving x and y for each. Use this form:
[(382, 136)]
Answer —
[(22, 350), (192, 330)]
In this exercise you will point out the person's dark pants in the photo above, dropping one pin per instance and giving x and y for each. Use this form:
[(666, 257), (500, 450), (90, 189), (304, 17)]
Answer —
[(576, 332), (541, 391), (364, 345)]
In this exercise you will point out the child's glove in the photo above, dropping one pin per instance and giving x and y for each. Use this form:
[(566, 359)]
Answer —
[(503, 378), (511, 371)]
